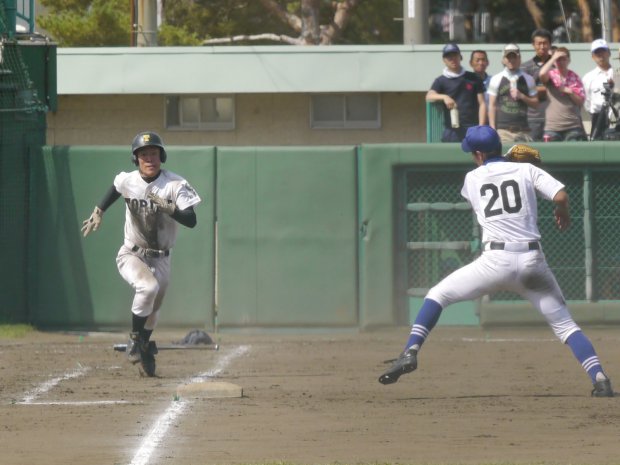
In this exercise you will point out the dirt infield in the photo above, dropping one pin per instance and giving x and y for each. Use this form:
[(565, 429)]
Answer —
[(478, 396)]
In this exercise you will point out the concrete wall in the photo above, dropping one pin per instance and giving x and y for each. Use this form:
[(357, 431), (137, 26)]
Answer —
[(261, 119)]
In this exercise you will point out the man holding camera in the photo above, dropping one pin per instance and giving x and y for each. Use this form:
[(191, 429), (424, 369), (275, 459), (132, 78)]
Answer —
[(598, 85)]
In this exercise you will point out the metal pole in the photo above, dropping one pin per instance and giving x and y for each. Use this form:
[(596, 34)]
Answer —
[(415, 22), (10, 7), (587, 234), (605, 13), (147, 23)]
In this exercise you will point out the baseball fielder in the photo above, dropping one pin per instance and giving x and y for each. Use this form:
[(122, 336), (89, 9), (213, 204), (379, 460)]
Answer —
[(156, 201), (503, 197)]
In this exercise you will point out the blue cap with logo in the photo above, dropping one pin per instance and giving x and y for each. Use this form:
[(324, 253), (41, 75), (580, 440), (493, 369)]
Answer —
[(450, 48), (481, 139)]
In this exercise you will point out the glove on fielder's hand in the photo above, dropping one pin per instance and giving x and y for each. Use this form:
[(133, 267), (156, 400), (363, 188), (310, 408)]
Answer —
[(92, 223), (522, 153), (166, 206)]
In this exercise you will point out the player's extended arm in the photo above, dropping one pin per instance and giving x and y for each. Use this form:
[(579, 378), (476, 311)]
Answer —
[(561, 213), (186, 217), (94, 221)]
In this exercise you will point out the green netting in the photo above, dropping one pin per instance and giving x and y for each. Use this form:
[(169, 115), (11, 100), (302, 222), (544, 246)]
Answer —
[(445, 222), (568, 253), (22, 130)]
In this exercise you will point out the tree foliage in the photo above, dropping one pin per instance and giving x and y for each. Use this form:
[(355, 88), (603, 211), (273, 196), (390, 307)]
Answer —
[(305, 22), (87, 22), (74, 23), (313, 22), (514, 20)]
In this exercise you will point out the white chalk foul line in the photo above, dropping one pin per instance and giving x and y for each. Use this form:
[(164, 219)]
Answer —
[(221, 364), (44, 387), (176, 408), (499, 339), (82, 402)]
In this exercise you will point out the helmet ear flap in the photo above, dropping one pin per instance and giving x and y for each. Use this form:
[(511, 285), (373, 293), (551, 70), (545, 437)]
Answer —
[(163, 155), (134, 159)]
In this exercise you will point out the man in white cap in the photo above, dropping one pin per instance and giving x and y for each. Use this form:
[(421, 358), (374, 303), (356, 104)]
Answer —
[(598, 85), (511, 93)]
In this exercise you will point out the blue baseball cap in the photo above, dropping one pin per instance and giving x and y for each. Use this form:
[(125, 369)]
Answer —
[(481, 139), (451, 48)]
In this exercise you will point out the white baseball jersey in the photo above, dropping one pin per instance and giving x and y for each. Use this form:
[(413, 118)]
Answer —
[(503, 196), (144, 225)]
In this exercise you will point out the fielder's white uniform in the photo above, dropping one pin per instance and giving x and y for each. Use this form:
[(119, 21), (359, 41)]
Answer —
[(144, 259), (503, 197)]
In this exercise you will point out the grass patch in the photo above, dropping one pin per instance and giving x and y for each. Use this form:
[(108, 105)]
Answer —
[(14, 331)]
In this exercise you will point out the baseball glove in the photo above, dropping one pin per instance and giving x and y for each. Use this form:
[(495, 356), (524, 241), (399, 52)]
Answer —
[(522, 153)]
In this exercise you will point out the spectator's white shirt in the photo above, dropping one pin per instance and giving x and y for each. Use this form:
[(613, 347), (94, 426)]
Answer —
[(496, 79), (593, 86)]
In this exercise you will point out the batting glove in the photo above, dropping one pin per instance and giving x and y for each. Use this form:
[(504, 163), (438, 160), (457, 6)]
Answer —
[(92, 223), (163, 205)]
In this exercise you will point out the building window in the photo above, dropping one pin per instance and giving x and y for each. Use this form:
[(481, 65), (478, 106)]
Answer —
[(200, 112), (348, 111)]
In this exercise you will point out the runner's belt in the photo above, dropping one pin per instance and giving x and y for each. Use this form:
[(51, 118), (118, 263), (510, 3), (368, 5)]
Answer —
[(151, 253)]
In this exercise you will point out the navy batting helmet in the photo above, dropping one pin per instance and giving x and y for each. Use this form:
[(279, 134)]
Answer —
[(146, 139)]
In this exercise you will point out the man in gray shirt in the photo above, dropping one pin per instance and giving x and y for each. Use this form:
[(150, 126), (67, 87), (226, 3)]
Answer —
[(541, 41)]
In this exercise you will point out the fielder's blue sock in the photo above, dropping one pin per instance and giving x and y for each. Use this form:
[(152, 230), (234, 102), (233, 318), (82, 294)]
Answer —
[(425, 321), (584, 352)]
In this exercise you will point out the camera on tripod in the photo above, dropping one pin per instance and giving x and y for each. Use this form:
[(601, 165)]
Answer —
[(607, 92), (607, 127)]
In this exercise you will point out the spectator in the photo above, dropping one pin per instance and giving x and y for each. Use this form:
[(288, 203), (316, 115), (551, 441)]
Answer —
[(541, 41), (479, 62), (459, 89), (511, 93), (597, 85), (566, 96)]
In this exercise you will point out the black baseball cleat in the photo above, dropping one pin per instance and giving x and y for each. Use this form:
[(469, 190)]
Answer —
[(147, 357), (603, 389), (133, 348), (405, 363)]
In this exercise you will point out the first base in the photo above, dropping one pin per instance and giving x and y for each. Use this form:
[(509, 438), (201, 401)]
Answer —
[(209, 390)]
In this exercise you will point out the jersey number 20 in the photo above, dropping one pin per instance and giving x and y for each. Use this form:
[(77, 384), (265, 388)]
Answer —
[(493, 207)]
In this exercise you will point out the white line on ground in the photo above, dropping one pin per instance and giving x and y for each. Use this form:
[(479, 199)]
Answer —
[(42, 388), (176, 408), (81, 402), (481, 339)]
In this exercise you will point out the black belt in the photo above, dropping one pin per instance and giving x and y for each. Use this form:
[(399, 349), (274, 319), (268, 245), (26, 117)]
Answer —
[(151, 253), (501, 245)]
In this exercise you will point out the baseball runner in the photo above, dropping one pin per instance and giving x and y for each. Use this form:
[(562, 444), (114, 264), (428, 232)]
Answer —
[(156, 201), (503, 197)]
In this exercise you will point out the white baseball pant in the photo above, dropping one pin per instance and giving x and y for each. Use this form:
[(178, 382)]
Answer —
[(526, 273), (149, 276)]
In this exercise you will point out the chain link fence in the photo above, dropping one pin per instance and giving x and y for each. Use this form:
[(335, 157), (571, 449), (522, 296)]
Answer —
[(443, 235)]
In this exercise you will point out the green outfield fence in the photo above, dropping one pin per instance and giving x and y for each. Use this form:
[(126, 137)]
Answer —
[(22, 132), (311, 237)]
